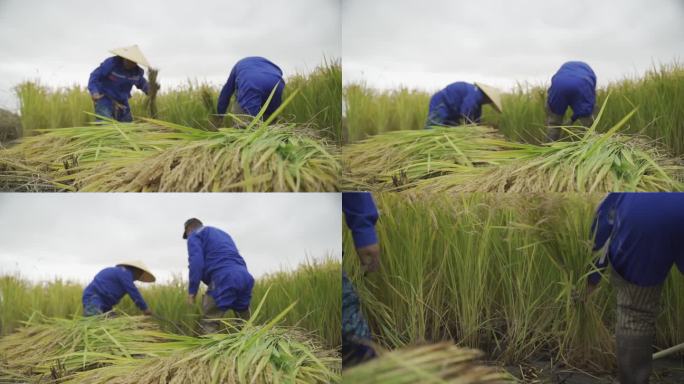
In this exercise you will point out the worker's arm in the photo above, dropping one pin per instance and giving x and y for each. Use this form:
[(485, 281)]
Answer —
[(133, 292), (361, 215), (142, 84), (226, 93), (96, 76), (601, 230), (195, 263)]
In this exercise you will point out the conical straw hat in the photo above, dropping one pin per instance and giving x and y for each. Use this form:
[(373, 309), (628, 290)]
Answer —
[(132, 53), (492, 93), (147, 276)]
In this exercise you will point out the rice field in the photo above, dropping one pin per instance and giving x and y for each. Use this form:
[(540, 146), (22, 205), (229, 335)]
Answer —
[(317, 106), (292, 337), (294, 150), (503, 273), (312, 285), (656, 96)]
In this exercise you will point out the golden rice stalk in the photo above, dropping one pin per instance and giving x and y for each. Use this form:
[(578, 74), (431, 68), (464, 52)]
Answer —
[(436, 363)]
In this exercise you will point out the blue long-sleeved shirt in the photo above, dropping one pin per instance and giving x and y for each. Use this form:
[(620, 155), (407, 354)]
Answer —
[(115, 81), (642, 233), (209, 250), (253, 80), (361, 215), (458, 100), (111, 284), (574, 84)]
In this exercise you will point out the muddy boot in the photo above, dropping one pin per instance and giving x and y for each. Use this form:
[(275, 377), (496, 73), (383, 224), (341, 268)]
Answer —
[(634, 359)]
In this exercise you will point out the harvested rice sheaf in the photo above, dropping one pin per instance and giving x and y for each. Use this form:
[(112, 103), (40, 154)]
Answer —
[(128, 349), (161, 156), (52, 348), (474, 159), (436, 363), (254, 354)]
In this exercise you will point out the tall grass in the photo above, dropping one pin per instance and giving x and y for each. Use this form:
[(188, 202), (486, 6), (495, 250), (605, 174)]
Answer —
[(498, 272), (315, 286), (318, 104), (370, 112), (657, 96)]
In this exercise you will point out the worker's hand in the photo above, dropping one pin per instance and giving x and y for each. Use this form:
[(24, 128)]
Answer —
[(191, 299), (370, 257), (96, 96), (148, 312)]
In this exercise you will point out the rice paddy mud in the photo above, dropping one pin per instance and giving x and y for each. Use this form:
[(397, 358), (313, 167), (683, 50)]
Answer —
[(506, 274), (292, 336)]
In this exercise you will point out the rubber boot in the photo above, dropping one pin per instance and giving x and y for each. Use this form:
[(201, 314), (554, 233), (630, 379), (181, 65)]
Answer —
[(634, 358)]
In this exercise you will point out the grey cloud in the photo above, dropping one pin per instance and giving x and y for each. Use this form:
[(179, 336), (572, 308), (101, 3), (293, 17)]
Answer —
[(76, 235), (420, 43), (62, 42)]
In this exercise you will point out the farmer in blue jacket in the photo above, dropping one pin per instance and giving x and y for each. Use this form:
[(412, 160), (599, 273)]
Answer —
[(214, 259), (111, 284), (574, 86), (110, 84), (461, 102), (252, 79), (641, 236), (361, 214)]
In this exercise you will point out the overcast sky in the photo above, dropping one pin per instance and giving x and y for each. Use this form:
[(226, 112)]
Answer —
[(73, 236), (428, 44), (61, 42)]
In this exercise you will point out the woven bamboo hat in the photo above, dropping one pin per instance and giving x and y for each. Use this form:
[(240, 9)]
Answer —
[(147, 276), (132, 53), (492, 93)]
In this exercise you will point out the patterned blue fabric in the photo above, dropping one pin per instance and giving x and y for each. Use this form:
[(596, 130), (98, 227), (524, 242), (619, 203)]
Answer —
[(356, 335)]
